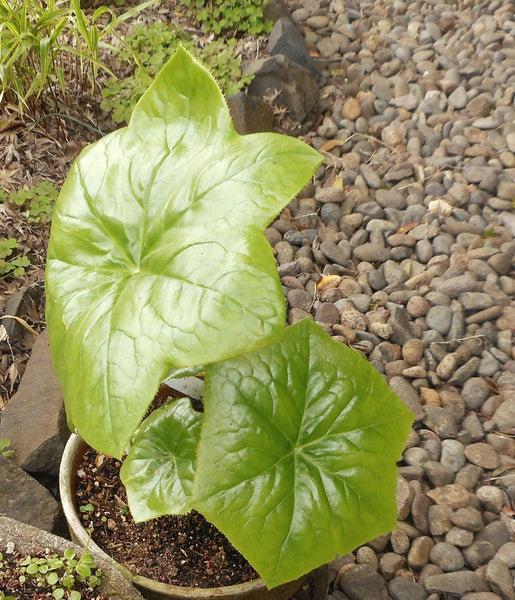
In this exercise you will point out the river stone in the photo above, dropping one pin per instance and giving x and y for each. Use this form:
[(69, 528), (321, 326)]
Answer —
[(418, 556), (454, 495), (455, 584), (447, 557), (439, 318), (327, 313), (492, 498), (453, 286), (438, 474), (459, 537), (419, 512), (453, 455), (468, 518), (506, 554), (475, 391), (496, 533), (468, 476), (362, 582), (439, 516), (482, 455), (401, 588), (372, 252), (500, 579), (441, 421), (479, 553), (390, 564)]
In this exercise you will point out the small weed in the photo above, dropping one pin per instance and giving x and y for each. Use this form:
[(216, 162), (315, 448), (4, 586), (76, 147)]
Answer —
[(10, 262), (61, 574), (37, 203), (87, 508), (4, 451), (489, 233), (150, 48), (3, 596), (234, 16)]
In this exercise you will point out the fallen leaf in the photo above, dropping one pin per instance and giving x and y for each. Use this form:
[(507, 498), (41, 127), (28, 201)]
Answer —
[(407, 227), (330, 145)]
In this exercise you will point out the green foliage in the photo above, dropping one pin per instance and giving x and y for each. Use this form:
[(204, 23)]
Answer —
[(218, 16), (37, 203), (177, 274), (151, 47), (11, 261), (301, 427), (3, 596), (34, 58), (4, 451), (61, 573), (179, 261)]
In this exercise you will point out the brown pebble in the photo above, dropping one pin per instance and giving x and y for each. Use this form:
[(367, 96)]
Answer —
[(429, 397), (417, 306), (351, 109), (482, 455)]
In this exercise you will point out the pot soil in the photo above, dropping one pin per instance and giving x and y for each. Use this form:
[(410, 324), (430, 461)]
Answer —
[(173, 557)]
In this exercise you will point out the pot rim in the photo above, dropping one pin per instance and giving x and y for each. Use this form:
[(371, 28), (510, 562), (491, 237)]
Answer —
[(70, 462)]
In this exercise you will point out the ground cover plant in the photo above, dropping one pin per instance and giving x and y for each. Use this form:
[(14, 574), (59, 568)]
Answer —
[(150, 47), (176, 277), (49, 575), (236, 16)]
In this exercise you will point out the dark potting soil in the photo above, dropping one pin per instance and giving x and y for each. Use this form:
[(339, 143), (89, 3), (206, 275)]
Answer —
[(183, 550)]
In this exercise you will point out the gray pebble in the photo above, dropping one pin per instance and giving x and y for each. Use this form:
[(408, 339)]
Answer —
[(327, 313), (475, 391), (405, 589), (453, 454), (371, 252), (455, 583), (478, 553), (441, 421), (447, 557), (439, 318), (439, 516), (362, 582), (496, 533)]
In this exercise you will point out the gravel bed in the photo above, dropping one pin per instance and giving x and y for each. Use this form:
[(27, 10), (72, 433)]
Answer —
[(403, 247)]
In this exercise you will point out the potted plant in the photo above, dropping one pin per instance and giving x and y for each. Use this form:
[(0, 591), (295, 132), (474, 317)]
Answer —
[(158, 267)]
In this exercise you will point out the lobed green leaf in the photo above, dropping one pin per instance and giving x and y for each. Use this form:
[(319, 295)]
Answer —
[(157, 258), (306, 466)]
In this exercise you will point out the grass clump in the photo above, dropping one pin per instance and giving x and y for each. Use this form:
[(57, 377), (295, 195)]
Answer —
[(44, 46)]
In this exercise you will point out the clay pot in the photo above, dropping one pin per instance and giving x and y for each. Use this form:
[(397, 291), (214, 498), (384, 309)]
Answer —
[(153, 590)]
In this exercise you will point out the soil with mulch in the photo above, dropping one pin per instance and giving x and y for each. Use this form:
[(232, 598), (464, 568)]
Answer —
[(182, 550), (29, 589)]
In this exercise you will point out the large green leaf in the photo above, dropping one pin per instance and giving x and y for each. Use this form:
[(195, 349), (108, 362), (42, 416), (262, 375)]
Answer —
[(159, 469), (157, 258), (298, 450)]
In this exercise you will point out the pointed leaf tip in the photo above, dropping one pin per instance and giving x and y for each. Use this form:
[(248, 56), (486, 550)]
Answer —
[(157, 258)]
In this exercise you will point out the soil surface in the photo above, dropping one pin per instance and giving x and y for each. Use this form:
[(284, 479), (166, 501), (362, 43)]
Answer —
[(182, 550)]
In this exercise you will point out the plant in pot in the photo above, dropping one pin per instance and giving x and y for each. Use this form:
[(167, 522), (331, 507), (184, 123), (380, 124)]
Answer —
[(158, 267)]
